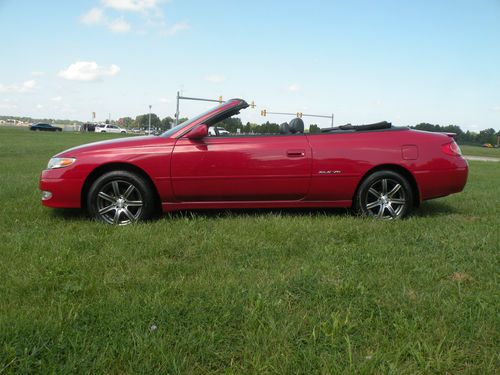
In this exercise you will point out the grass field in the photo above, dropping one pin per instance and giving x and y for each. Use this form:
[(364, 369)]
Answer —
[(480, 151), (279, 292)]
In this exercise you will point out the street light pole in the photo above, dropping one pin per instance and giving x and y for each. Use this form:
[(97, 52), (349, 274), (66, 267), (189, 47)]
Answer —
[(177, 110), (149, 132)]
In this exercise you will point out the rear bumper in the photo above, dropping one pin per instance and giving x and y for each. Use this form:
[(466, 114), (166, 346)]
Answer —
[(65, 192), (440, 183)]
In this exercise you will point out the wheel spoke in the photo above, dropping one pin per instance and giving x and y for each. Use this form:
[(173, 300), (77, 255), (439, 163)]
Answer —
[(398, 201), (105, 196), (381, 211), (134, 203), (384, 186), (394, 190), (372, 205), (129, 191), (129, 214), (107, 209), (391, 211), (116, 188), (116, 218), (374, 192)]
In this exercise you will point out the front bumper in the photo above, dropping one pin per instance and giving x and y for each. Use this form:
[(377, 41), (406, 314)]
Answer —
[(65, 192)]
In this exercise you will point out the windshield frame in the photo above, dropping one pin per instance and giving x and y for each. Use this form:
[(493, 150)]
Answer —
[(227, 107)]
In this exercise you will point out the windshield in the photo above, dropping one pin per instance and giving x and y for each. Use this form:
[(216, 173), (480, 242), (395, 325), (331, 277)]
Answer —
[(190, 121)]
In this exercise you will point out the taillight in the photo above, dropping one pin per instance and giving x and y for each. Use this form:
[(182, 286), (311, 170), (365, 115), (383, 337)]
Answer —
[(451, 149)]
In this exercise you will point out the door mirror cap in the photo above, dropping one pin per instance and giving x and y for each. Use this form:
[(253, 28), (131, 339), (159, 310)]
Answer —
[(198, 132)]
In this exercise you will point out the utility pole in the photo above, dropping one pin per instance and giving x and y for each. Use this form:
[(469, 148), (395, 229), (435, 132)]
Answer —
[(149, 132), (179, 98), (177, 110)]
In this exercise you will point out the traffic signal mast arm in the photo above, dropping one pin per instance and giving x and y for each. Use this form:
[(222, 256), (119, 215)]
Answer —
[(265, 112)]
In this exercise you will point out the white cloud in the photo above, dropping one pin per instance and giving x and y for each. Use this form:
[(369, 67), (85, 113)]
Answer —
[(215, 78), (132, 5), (96, 16), (93, 17), (165, 100), (37, 74), (151, 14), (119, 25), (496, 108), (175, 28), (26, 86), (56, 98), (88, 71), (39, 106), (293, 87)]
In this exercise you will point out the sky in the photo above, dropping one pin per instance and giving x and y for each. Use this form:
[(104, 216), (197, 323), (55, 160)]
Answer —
[(365, 61)]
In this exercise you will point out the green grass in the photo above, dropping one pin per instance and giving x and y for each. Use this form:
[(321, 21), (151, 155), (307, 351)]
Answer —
[(480, 151), (245, 292)]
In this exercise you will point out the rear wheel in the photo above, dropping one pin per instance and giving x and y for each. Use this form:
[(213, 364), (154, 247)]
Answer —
[(385, 195), (121, 198)]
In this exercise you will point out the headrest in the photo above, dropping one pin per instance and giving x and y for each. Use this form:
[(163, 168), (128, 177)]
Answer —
[(284, 128), (297, 126)]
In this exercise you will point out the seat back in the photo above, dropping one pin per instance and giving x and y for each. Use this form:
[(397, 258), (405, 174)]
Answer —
[(285, 128), (297, 126)]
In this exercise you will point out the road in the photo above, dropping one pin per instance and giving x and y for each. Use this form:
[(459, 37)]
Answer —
[(481, 158)]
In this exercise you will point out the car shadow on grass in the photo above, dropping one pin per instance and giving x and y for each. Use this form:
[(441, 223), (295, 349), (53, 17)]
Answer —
[(253, 212), (426, 209), (434, 209), (69, 214)]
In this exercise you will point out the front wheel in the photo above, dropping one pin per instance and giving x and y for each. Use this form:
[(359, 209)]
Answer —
[(121, 198), (385, 195)]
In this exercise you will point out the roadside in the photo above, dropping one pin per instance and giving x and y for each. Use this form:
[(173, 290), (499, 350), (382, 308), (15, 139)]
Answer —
[(481, 158)]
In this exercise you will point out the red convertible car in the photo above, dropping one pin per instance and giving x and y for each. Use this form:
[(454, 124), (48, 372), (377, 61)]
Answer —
[(381, 170)]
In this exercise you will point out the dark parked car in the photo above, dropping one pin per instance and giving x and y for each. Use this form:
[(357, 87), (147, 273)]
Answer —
[(45, 128)]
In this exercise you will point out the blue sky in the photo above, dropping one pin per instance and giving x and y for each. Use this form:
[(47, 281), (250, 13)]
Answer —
[(366, 61)]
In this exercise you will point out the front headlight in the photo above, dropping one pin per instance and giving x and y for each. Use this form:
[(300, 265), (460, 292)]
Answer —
[(55, 163)]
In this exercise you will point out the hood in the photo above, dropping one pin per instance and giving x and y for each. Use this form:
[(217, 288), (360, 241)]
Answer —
[(120, 143)]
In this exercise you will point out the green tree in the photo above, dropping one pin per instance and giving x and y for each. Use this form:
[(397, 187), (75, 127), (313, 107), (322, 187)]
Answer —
[(314, 129), (167, 123), (126, 122), (488, 136), (142, 121)]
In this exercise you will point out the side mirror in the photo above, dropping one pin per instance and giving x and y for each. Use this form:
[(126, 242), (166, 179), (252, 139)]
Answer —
[(198, 132)]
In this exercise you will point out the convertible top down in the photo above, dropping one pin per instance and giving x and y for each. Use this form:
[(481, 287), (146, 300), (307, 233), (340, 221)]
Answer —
[(381, 170)]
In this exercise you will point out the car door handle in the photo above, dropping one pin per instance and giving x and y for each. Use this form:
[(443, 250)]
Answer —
[(296, 153)]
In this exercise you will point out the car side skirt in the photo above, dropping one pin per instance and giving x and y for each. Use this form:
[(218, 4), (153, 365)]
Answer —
[(176, 206)]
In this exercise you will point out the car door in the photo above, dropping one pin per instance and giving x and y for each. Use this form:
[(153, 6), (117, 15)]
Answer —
[(241, 168)]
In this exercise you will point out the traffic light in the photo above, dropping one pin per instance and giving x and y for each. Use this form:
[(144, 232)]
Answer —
[(220, 99), (252, 104), (263, 112), (299, 114)]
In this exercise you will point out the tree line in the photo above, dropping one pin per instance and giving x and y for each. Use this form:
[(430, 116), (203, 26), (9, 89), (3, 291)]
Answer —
[(232, 125), (468, 137)]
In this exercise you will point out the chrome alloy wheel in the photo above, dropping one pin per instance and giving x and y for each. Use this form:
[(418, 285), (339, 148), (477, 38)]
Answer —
[(119, 202), (385, 199)]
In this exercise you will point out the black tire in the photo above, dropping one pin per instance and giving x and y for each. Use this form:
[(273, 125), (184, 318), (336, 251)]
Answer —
[(385, 195), (121, 198)]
